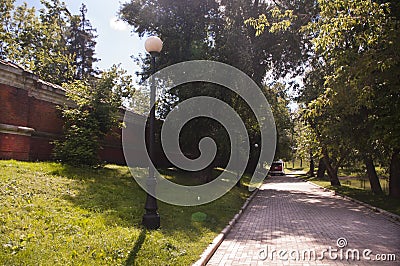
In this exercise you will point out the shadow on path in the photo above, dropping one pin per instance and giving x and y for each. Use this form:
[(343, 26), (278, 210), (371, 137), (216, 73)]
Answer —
[(291, 215)]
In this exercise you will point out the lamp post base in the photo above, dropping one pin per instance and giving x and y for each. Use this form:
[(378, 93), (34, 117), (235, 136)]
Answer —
[(238, 183), (151, 221)]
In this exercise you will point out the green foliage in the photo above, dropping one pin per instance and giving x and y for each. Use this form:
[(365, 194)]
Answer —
[(185, 27), (212, 30), (94, 112), (50, 42), (305, 141), (279, 101), (351, 92), (37, 43), (140, 102), (282, 21), (54, 214), (81, 43), (81, 143), (6, 8), (359, 43), (285, 50), (350, 96)]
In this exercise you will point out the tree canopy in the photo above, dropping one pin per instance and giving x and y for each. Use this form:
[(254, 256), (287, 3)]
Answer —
[(213, 30), (59, 47), (51, 42), (347, 53), (350, 97)]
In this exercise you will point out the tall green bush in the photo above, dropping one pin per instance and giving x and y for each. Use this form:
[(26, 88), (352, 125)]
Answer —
[(94, 112)]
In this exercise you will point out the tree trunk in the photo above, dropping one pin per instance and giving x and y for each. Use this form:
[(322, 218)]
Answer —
[(394, 176), (332, 172), (312, 166), (321, 169), (372, 176)]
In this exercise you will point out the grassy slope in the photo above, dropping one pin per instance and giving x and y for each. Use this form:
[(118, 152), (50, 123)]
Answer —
[(56, 215)]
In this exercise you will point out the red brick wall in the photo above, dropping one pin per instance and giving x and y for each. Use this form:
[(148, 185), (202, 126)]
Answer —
[(18, 109), (41, 148), (14, 147), (112, 148), (112, 154), (14, 106), (31, 103), (44, 117)]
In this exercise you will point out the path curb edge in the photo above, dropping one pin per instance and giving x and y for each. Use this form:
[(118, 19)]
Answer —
[(210, 250)]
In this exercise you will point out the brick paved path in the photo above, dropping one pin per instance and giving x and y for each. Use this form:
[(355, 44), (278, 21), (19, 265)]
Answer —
[(294, 216)]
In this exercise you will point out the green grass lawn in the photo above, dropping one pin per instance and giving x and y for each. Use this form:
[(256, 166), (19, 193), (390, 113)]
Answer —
[(52, 214), (363, 183), (297, 165), (364, 195), (351, 176)]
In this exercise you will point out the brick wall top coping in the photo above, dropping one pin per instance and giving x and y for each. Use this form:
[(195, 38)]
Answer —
[(16, 130), (17, 77)]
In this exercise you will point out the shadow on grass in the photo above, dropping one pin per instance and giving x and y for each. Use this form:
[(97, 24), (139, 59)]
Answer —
[(188, 178), (108, 202), (110, 191), (294, 168), (113, 193), (136, 248)]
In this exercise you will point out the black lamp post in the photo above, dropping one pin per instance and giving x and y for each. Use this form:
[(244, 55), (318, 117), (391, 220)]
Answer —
[(237, 157), (258, 165), (151, 218)]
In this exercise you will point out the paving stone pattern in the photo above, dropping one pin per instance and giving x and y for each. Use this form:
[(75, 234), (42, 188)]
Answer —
[(296, 217)]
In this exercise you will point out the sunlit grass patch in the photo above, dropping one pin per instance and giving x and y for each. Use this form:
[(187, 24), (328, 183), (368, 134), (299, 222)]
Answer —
[(58, 215)]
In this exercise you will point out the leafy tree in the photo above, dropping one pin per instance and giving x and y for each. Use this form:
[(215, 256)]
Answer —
[(188, 30), (81, 44), (6, 8), (305, 142), (328, 133), (37, 42), (286, 50), (140, 102), (279, 101), (185, 27), (96, 111), (358, 40), (352, 85), (52, 43), (212, 30)]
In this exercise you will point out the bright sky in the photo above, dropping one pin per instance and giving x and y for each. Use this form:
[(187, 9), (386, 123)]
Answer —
[(115, 42)]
